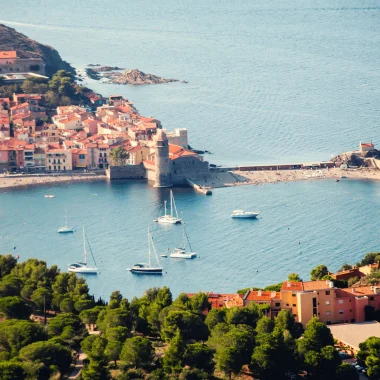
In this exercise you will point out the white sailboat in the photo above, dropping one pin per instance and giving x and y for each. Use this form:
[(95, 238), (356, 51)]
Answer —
[(170, 218), (180, 252), (82, 267), (241, 214), (147, 268), (65, 229)]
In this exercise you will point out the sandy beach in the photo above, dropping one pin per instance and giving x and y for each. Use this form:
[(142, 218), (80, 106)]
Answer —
[(12, 181)]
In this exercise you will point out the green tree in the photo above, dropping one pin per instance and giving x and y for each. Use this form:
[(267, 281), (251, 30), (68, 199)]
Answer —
[(199, 356), (119, 155), (214, 317), (7, 263), (369, 355), (173, 358), (265, 325), (61, 321), (51, 354), (11, 371), (318, 272), (274, 287), (233, 346), (294, 277), (116, 336), (346, 371), (345, 267), (81, 305), (137, 351), (248, 315), (15, 334), (66, 305), (90, 316), (193, 374), (42, 297), (316, 336), (15, 307), (199, 302)]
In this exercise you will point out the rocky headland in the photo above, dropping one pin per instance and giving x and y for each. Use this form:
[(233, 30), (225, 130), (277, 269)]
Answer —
[(116, 75), (25, 47)]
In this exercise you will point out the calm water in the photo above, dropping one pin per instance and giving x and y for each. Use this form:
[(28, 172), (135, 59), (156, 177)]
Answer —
[(273, 81), (333, 222), (268, 81)]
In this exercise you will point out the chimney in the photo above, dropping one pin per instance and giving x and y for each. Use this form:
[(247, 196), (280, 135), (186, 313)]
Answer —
[(288, 284), (273, 295), (259, 293), (353, 290)]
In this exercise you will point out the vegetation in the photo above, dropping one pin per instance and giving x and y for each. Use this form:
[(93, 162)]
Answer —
[(154, 336), (119, 155), (369, 355)]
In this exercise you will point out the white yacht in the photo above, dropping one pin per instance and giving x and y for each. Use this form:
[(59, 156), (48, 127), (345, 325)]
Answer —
[(244, 214), (170, 218), (82, 267), (65, 229), (147, 268), (180, 252), (49, 196)]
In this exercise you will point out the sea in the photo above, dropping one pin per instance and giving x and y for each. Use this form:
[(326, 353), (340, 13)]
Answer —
[(268, 82)]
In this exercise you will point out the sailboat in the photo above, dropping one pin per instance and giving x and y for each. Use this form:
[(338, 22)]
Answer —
[(82, 267), (170, 218), (147, 268), (180, 252), (65, 229)]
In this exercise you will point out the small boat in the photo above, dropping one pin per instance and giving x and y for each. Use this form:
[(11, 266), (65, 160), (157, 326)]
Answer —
[(170, 218), (343, 176), (148, 268), (244, 214), (180, 252), (164, 255), (49, 196), (337, 180), (65, 229), (82, 267)]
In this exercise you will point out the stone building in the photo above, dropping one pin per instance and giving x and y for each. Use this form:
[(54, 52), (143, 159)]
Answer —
[(11, 63), (162, 162)]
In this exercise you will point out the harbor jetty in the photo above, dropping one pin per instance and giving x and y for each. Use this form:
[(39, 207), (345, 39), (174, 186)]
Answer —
[(206, 190)]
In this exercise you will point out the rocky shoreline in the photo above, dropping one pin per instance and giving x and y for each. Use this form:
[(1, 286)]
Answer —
[(118, 75)]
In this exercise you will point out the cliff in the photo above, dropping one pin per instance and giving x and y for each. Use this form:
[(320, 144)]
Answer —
[(10, 39)]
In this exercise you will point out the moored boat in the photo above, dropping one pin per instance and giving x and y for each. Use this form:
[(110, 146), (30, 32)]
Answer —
[(180, 252), (171, 218), (244, 214)]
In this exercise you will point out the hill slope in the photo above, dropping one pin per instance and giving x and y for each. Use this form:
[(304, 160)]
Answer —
[(11, 39)]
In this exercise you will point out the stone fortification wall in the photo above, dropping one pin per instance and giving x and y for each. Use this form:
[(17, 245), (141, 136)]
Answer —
[(187, 167), (126, 172)]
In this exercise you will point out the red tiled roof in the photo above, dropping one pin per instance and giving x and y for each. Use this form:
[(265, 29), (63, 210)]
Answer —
[(292, 285), (261, 295), (8, 54)]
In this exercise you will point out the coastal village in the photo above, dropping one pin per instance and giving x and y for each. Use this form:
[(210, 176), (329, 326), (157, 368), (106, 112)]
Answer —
[(84, 138)]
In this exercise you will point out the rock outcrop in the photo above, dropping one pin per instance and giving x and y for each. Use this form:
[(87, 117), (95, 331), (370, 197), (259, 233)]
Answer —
[(136, 77), (11, 39)]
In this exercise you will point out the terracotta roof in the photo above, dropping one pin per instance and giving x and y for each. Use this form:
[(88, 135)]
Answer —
[(261, 295), (135, 149), (292, 285), (176, 151), (360, 291), (315, 285), (8, 54)]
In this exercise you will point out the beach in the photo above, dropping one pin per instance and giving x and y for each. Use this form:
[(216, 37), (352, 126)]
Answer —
[(261, 177), (13, 181)]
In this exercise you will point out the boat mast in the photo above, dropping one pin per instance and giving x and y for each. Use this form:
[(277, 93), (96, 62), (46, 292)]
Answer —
[(171, 203), (84, 248), (175, 207), (66, 215), (183, 236), (165, 207), (149, 238), (154, 250), (188, 241)]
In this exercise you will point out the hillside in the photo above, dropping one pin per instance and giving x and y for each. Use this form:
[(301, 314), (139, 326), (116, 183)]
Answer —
[(10, 39)]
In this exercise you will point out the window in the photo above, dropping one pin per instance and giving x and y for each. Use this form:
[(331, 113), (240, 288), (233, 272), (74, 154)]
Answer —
[(294, 305), (293, 295), (287, 304), (341, 311), (340, 302), (327, 302), (371, 298), (327, 292), (328, 313)]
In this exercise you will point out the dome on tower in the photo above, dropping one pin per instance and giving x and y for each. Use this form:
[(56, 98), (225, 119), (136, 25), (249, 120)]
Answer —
[(161, 135)]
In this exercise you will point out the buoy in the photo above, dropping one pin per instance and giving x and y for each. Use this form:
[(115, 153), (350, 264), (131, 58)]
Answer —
[(14, 247)]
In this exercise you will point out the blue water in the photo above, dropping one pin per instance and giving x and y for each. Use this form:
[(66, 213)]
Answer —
[(268, 82), (303, 224)]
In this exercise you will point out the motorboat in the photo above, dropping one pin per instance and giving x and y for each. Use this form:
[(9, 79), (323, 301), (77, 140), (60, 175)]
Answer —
[(180, 252), (82, 267), (49, 196), (148, 268), (65, 229), (244, 214), (171, 218)]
